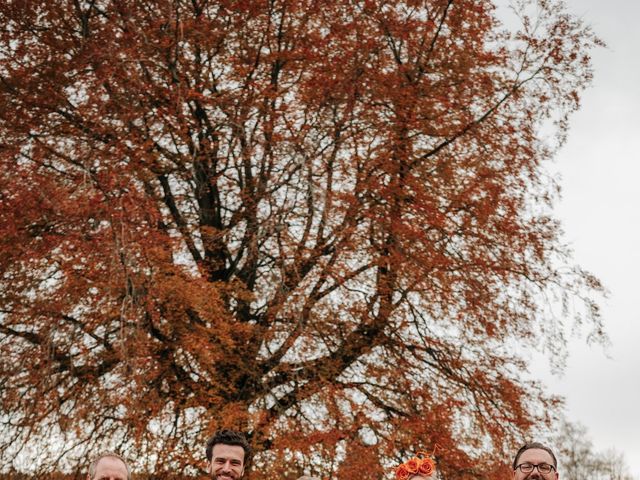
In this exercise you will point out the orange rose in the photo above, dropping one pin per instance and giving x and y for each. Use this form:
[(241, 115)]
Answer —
[(413, 465), (402, 473), (427, 467)]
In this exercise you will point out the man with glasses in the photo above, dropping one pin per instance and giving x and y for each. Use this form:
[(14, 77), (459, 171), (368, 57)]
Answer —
[(535, 461)]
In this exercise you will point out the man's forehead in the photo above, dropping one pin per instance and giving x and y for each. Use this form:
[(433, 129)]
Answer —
[(535, 455), (111, 467), (222, 450)]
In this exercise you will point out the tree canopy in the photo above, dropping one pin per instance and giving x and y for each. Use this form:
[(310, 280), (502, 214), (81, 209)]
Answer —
[(323, 222)]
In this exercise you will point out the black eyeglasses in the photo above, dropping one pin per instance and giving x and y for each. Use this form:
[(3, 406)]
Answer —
[(543, 468)]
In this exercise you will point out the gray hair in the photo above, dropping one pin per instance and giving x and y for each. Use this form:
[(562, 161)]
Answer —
[(94, 463)]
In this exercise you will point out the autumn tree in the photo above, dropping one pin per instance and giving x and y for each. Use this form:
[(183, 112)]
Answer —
[(324, 222)]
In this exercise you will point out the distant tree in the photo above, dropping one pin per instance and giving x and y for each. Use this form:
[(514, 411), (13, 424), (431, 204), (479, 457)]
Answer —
[(578, 460), (611, 465), (324, 222), (575, 451)]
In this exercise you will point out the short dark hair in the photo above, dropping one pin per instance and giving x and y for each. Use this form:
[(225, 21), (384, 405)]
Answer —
[(537, 445), (230, 437)]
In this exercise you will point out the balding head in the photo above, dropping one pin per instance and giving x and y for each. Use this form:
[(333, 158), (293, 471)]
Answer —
[(109, 466)]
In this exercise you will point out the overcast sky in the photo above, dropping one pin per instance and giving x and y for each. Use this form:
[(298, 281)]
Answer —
[(600, 211)]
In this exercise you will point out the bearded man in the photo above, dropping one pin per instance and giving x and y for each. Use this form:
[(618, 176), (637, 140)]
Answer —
[(535, 461)]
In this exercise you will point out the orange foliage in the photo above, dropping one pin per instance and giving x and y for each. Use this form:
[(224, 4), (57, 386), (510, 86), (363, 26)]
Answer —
[(322, 222)]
